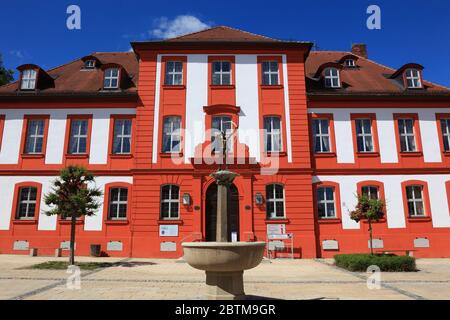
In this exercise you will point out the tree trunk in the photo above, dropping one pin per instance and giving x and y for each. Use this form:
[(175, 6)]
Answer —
[(72, 239), (370, 235)]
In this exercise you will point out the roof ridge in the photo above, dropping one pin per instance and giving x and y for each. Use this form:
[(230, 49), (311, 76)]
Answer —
[(252, 33), (224, 27), (191, 33)]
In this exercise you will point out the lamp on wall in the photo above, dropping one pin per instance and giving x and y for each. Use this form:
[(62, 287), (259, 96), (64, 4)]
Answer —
[(186, 199), (259, 198)]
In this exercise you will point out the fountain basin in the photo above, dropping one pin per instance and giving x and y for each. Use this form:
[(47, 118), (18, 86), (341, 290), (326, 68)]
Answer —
[(224, 264)]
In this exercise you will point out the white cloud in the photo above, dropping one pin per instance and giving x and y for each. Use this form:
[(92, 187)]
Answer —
[(183, 24), (16, 53)]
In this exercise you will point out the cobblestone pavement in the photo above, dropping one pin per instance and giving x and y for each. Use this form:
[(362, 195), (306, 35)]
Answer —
[(171, 279)]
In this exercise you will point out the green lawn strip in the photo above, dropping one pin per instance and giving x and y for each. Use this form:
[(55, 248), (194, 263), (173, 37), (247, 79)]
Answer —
[(386, 262), (63, 265)]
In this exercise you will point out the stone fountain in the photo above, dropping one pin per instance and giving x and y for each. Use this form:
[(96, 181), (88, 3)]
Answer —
[(223, 262)]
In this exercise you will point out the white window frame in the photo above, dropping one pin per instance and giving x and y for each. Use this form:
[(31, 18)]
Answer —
[(369, 194), (326, 201), (273, 199), (118, 202), (350, 63), (29, 77), (270, 72), (405, 134), (89, 64), (413, 79), (174, 134), (215, 132), (364, 135), (35, 136), (109, 79), (122, 136), (221, 73), (78, 136), (415, 200), (170, 201), (173, 73), (28, 202), (445, 127), (328, 75), (273, 134), (320, 135)]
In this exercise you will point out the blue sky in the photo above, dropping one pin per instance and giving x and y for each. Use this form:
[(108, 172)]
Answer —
[(412, 31)]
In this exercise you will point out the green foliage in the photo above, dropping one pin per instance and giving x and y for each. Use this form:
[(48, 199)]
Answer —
[(6, 75), (72, 195), (371, 209), (63, 265), (386, 262)]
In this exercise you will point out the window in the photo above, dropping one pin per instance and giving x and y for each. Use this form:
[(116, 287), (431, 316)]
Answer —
[(364, 138), (111, 78), (35, 136), (413, 79), (174, 73), (118, 202), (407, 138), (321, 134), (172, 134), (221, 73), (29, 79), (325, 203), (122, 136), (371, 192), (445, 127), (332, 78), (275, 201), (170, 195), (270, 73), (78, 136), (221, 124), (414, 196), (350, 63), (272, 130), (26, 206), (89, 64)]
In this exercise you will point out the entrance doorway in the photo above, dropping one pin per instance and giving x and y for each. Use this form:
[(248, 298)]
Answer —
[(211, 212)]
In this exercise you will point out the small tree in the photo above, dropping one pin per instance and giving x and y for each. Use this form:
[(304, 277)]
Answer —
[(6, 75), (370, 209), (72, 197)]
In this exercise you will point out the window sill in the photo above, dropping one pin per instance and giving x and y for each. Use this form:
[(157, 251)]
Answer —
[(77, 156), (275, 154), (174, 87), (175, 221), (117, 222), (415, 154), (276, 220), (278, 86), (170, 155), (25, 221), (32, 156), (329, 221), (367, 154), (419, 219), (121, 156), (325, 155), (224, 87), (69, 221), (446, 154)]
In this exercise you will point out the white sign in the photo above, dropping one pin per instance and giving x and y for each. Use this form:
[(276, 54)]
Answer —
[(234, 237), (276, 229), (280, 236), (168, 230)]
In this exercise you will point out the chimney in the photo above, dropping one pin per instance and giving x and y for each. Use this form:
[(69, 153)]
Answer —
[(360, 49)]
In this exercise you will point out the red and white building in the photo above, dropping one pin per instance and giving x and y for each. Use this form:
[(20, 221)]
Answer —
[(315, 128)]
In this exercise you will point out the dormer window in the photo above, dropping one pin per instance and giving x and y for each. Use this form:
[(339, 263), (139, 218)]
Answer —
[(350, 63), (413, 80), (28, 79), (331, 78), (111, 80), (89, 64)]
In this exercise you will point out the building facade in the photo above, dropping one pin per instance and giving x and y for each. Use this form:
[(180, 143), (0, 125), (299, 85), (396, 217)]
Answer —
[(307, 131)]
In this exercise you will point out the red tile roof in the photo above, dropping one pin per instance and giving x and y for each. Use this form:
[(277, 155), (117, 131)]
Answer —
[(369, 77)]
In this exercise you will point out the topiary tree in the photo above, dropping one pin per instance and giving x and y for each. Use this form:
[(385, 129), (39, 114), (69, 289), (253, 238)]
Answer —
[(71, 196), (6, 75), (370, 209)]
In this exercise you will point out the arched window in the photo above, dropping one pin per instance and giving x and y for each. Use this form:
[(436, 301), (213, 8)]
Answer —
[(118, 203), (275, 201), (331, 77), (26, 206), (170, 202), (326, 204), (413, 79)]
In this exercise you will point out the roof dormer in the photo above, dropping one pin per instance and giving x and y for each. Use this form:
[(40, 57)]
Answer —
[(33, 77), (90, 62), (115, 77), (330, 73), (349, 61), (409, 75)]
